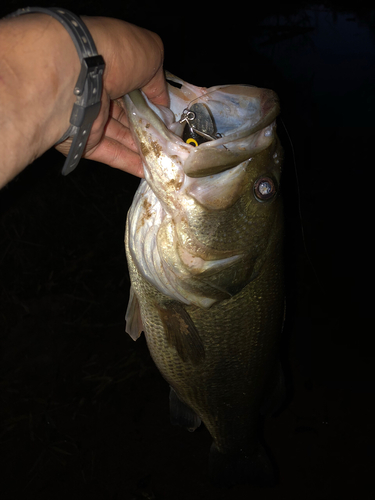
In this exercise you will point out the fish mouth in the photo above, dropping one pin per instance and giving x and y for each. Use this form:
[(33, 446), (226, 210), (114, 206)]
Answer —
[(243, 116)]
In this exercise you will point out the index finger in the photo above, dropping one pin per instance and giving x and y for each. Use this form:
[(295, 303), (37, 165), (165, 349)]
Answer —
[(156, 89)]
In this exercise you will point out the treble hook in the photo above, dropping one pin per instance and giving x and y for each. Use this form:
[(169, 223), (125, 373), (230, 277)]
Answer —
[(188, 116)]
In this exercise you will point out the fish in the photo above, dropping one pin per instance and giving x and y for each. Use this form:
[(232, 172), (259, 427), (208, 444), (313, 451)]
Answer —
[(204, 246)]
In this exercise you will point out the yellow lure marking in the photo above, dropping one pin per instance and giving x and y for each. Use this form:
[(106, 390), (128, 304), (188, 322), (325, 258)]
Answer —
[(191, 141)]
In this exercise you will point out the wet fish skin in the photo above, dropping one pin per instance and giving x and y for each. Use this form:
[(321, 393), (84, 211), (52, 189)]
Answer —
[(205, 260)]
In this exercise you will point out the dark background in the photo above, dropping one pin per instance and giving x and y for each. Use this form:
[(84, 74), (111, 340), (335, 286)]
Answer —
[(84, 412)]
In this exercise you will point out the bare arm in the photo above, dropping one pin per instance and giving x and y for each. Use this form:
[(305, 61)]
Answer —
[(39, 67)]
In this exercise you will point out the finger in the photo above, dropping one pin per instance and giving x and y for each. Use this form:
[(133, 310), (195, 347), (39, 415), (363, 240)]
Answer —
[(112, 153), (115, 146), (118, 132), (156, 89), (118, 156), (117, 111)]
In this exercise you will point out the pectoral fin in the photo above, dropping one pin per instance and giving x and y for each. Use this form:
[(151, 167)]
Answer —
[(181, 333), (134, 326)]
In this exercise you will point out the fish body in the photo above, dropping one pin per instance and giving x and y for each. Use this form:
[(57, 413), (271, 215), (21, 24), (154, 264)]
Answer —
[(204, 249)]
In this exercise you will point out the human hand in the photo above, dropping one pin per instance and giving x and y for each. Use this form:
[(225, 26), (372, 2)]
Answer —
[(134, 59)]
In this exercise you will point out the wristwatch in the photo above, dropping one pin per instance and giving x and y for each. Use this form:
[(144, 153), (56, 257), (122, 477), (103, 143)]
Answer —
[(88, 88)]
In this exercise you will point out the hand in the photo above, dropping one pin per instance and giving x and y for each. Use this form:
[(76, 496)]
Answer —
[(134, 59)]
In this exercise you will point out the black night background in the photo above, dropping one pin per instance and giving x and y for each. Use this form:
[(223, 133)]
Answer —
[(83, 410)]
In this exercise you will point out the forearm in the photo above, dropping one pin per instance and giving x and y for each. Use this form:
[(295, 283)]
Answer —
[(39, 67)]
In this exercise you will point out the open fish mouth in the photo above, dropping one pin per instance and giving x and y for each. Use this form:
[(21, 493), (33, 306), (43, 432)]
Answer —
[(242, 123)]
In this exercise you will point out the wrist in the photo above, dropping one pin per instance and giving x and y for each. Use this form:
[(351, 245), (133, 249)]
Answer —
[(39, 69)]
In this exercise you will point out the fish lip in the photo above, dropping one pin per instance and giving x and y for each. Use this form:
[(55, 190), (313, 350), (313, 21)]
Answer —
[(143, 108)]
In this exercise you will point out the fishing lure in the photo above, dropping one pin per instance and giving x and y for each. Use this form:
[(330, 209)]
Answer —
[(199, 125)]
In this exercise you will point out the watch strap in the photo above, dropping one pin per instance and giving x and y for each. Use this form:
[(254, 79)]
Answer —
[(88, 88)]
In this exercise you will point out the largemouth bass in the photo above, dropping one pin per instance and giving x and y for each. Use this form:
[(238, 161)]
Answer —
[(204, 249)]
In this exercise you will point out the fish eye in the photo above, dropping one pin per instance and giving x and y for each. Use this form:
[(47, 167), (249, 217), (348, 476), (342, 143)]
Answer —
[(264, 189)]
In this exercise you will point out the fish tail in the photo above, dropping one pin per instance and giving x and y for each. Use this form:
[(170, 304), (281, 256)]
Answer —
[(227, 470)]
